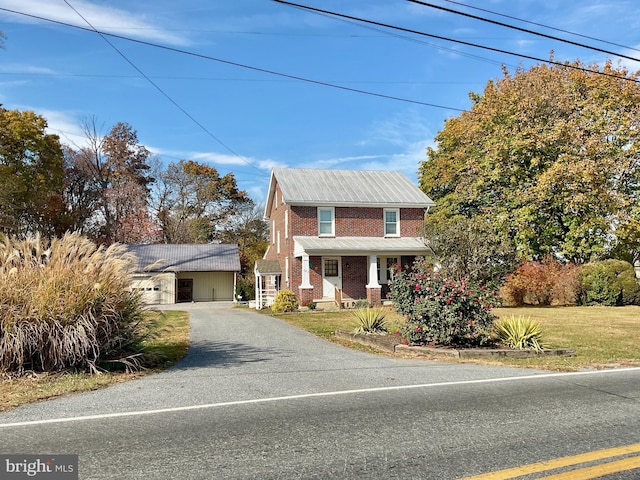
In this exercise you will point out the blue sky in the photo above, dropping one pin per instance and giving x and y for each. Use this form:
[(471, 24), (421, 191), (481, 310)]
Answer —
[(247, 121)]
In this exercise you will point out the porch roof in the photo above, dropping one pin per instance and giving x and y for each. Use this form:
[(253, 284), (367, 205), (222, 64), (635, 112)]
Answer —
[(358, 245)]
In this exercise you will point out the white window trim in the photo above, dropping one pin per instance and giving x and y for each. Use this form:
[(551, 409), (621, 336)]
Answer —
[(286, 224), (384, 219), (333, 222)]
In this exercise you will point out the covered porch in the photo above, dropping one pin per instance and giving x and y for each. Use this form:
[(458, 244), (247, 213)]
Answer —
[(346, 269)]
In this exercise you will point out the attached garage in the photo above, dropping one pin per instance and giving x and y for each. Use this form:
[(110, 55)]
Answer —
[(186, 272)]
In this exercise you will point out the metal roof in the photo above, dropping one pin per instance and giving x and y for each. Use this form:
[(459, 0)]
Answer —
[(307, 186), (358, 245), (187, 257), (266, 267)]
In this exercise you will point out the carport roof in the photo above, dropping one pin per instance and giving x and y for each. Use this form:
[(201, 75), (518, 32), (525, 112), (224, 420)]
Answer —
[(209, 257)]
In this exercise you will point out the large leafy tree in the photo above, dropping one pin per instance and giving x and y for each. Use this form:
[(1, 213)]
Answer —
[(31, 175), (192, 200), (550, 156)]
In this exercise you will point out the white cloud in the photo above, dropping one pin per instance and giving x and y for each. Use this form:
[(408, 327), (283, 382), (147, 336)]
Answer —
[(103, 18)]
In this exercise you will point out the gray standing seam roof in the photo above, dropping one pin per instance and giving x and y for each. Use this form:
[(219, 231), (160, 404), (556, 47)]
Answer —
[(348, 187), (187, 257)]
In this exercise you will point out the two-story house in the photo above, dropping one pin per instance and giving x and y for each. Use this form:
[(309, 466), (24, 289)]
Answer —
[(336, 234)]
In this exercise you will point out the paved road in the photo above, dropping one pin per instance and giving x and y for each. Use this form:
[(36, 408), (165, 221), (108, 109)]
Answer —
[(257, 398)]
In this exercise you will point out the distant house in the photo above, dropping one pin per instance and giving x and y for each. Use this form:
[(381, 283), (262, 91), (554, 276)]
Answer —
[(186, 273), (336, 234)]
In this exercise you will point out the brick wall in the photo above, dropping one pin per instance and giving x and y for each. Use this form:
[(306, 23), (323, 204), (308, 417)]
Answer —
[(354, 276)]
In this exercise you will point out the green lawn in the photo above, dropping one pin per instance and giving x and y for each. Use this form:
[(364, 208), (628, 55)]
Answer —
[(599, 336), (169, 341)]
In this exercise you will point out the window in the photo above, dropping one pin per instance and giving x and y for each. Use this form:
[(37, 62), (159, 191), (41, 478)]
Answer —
[(326, 222), (286, 224), (391, 222), (331, 267)]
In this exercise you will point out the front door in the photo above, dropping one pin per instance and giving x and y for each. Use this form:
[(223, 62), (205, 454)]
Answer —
[(331, 276), (185, 290)]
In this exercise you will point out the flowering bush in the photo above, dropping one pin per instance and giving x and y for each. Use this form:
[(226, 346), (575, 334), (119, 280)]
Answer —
[(439, 310)]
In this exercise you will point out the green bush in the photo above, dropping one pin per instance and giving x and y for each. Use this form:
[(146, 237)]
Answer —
[(361, 303), (439, 310), (370, 320), (609, 282), (519, 332), (66, 305), (285, 301)]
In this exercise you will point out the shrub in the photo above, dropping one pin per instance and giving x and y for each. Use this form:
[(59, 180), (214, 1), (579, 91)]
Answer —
[(548, 282), (285, 301), (312, 305), (361, 303), (609, 282), (66, 305), (370, 320), (519, 332), (441, 311)]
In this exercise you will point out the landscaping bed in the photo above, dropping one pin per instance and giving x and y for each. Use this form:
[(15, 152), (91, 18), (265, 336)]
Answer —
[(394, 344)]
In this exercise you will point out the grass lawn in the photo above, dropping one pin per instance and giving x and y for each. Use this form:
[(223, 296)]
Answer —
[(169, 340), (600, 336)]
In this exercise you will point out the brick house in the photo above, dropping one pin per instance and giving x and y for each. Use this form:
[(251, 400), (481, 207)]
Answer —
[(335, 234)]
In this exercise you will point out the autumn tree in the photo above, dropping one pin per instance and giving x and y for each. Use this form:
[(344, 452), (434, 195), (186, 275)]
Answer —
[(108, 186), (248, 229), (550, 156), (192, 199), (31, 172)]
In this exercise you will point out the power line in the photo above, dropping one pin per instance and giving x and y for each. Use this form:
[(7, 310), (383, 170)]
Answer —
[(241, 65), (157, 87), (462, 42), (543, 25), (525, 30)]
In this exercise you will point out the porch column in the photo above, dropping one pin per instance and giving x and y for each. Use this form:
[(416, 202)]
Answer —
[(306, 282), (373, 272), (374, 289)]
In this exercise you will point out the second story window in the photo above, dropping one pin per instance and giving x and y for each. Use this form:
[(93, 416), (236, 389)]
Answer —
[(391, 222), (326, 222)]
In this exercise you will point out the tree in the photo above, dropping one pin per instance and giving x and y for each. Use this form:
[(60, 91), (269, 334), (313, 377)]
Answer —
[(107, 186), (470, 249), (550, 156), (31, 171), (250, 232), (192, 199)]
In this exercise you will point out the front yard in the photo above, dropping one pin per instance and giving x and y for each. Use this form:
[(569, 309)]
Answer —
[(169, 342), (600, 336)]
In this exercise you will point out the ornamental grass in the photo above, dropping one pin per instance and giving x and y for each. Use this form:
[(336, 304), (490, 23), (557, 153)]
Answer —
[(65, 304)]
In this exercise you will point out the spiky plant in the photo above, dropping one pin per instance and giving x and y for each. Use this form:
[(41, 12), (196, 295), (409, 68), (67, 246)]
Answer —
[(370, 320), (519, 332), (65, 304)]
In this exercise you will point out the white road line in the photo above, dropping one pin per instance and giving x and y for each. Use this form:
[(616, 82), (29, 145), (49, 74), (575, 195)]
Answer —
[(312, 395)]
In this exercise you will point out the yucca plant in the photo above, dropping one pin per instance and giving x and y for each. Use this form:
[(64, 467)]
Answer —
[(66, 304), (519, 332), (370, 320)]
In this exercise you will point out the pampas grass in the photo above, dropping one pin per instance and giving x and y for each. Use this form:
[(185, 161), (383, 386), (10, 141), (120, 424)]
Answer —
[(66, 305)]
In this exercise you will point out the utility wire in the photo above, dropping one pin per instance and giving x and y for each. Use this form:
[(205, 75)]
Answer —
[(165, 94), (542, 25), (240, 65), (526, 30), (440, 37)]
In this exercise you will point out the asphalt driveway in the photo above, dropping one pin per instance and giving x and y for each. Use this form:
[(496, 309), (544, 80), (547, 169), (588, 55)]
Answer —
[(237, 354)]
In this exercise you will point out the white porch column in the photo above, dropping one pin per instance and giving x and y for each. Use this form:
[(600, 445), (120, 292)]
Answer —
[(306, 280), (373, 272)]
